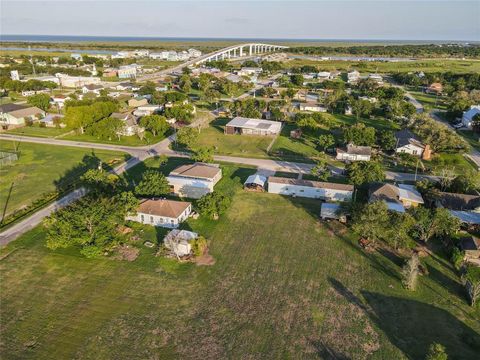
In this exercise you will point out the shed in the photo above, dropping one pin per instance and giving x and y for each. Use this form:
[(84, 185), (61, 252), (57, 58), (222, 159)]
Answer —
[(331, 211), (179, 241), (255, 183)]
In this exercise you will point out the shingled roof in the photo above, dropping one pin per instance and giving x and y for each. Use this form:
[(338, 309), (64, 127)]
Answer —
[(309, 183), (456, 201), (196, 170), (163, 207)]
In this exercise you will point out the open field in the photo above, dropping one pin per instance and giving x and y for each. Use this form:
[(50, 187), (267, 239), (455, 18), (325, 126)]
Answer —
[(430, 100), (234, 145), (124, 140), (440, 65), (38, 131), (41, 169), (283, 284)]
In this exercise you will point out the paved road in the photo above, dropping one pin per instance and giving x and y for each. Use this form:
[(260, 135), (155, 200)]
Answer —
[(139, 154)]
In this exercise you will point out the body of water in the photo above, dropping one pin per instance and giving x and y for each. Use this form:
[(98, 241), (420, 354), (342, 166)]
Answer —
[(74, 38), (79, 51)]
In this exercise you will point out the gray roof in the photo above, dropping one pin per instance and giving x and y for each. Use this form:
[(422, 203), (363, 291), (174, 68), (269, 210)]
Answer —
[(405, 137), (456, 201), (469, 217), (356, 150), (259, 124), (309, 183), (6, 108)]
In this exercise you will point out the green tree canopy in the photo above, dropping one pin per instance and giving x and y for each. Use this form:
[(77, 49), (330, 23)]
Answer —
[(153, 184)]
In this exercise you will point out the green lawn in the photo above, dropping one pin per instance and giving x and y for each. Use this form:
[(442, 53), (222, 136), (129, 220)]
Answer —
[(124, 140), (430, 100), (457, 162), (37, 131), (40, 168), (471, 138), (233, 145), (284, 285)]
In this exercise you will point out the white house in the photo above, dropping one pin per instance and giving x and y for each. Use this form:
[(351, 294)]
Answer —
[(249, 71), (194, 53), (241, 125), (323, 75), (194, 180), (147, 110), (95, 89), (408, 143), (310, 189), (162, 212), (354, 153), (76, 81), (312, 107), (353, 77), (16, 114), (398, 198), (468, 115), (130, 126), (59, 101), (377, 78)]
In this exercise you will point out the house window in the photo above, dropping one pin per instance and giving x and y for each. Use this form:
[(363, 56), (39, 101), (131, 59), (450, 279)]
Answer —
[(414, 152), (151, 219), (161, 220), (172, 221), (142, 217)]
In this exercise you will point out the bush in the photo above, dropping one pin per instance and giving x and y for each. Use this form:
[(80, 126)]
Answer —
[(457, 257), (199, 245)]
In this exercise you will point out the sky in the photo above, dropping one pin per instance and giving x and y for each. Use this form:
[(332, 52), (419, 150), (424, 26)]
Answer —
[(281, 19)]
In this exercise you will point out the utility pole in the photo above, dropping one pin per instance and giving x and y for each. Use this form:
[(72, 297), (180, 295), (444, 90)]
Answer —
[(31, 60)]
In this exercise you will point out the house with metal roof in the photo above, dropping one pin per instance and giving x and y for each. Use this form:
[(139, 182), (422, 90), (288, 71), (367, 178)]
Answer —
[(194, 180), (310, 189), (246, 126)]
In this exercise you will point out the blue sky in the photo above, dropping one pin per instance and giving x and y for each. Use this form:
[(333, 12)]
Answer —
[(354, 19)]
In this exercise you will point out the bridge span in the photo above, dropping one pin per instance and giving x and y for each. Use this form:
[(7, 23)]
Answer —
[(231, 52)]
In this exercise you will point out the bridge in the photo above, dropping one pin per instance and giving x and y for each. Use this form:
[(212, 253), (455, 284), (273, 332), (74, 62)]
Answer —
[(231, 52)]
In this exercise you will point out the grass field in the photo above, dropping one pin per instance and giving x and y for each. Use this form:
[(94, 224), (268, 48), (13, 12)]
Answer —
[(124, 140), (284, 285), (430, 100), (38, 131), (40, 167), (437, 65), (234, 145)]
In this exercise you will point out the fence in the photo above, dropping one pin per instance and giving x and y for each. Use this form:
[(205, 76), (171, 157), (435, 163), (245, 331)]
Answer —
[(7, 158)]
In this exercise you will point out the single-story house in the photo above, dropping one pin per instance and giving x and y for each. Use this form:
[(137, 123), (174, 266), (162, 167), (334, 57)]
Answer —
[(408, 143), (255, 182), (179, 241), (313, 107), (49, 120), (458, 202), (377, 78), (92, 88), (130, 124), (249, 71), (468, 115), (353, 77), (136, 102), (398, 198), (332, 211), (162, 212), (310, 189), (59, 100), (124, 86), (354, 153), (147, 110), (466, 217), (241, 125), (194, 180), (16, 114), (323, 75)]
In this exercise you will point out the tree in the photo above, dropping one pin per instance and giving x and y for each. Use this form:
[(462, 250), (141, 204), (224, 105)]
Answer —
[(386, 140), (430, 223), (471, 279), (307, 123), (359, 134), (213, 204), (362, 108), (128, 202), (187, 137), (320, 170), (371, 221), (180, 112), (106, 128), (90, 223), (156, 124), (41, 101), (326, 141), (153, 183), (401, 225), (410, 272), (100, 181), (297, 79), (203, 154), (466, 183), (361, 172), (436, 351), (185, 83)]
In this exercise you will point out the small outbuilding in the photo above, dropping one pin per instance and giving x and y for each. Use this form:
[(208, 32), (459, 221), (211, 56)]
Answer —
[(178, 241), (255, 183), (332, 211), (247, 126)]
